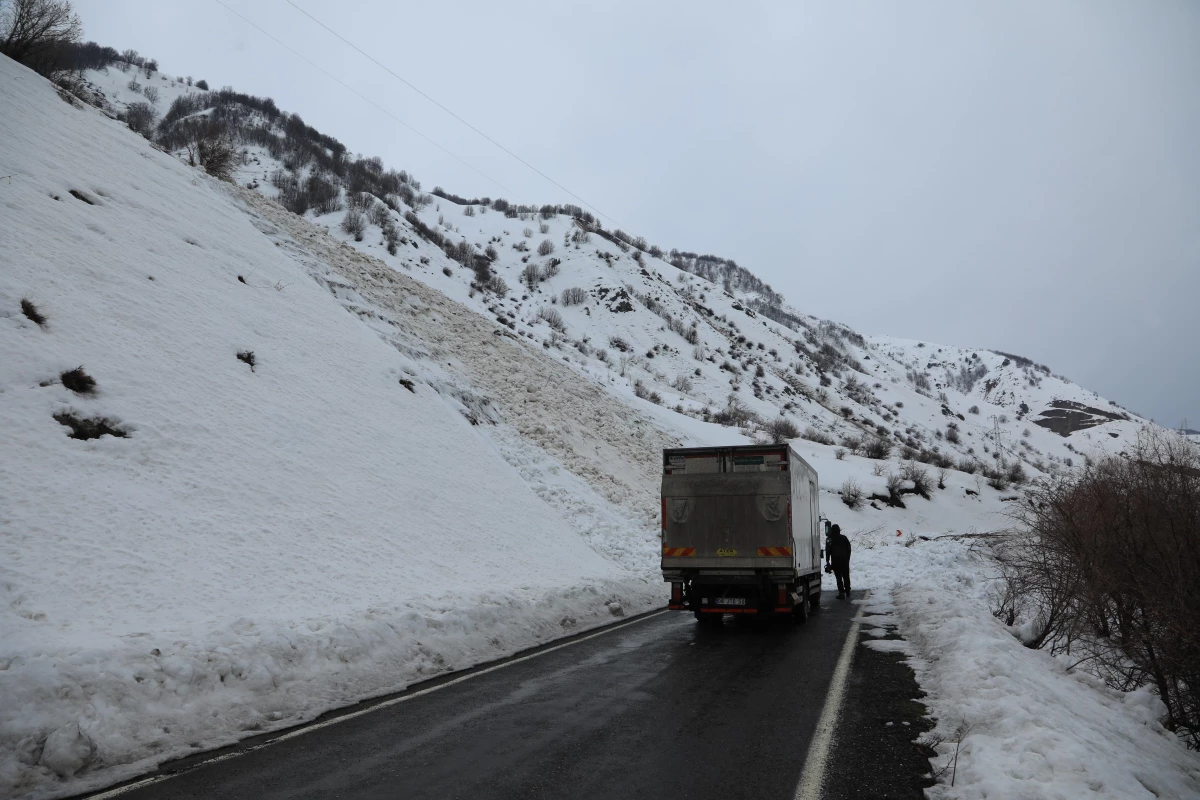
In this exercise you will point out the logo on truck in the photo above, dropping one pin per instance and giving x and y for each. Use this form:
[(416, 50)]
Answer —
[(772, 507), (727, 551)]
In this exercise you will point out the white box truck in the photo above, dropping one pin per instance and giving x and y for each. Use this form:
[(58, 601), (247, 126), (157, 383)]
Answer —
[(741, 531)]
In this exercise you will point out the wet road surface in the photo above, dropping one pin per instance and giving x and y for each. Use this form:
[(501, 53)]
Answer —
[(660, 707)]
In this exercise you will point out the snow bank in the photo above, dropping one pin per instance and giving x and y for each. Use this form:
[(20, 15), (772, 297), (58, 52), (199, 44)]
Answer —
[(270, 539), (1036, 728)]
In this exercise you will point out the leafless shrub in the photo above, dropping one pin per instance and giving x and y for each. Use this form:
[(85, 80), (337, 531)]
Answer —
[(379, 214), (1107, 567), (361, 201), (552, 318), (573, 296), (151, 94), (528, 232), (531, 276), (877, 447), (545, 248), (814, 435), (140, 118), (922, 484), (967, 465), (852, 493), (840, 454), (878, 468), (354, 224), (209, 145), (543, 228), (734, 414), (469, 211), (496, 285), (781, 429)]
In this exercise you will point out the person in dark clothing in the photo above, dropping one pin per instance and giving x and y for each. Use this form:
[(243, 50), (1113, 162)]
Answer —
[(837, 554)]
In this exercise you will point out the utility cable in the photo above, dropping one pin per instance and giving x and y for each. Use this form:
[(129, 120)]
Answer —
[(364, 97), (400, 78)]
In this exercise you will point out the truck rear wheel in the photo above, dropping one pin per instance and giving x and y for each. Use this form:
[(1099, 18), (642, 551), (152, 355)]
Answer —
[(800, 610), (709, 620), (815, 599)]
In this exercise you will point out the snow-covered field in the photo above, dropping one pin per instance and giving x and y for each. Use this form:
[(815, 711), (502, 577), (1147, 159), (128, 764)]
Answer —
[(414, 476)]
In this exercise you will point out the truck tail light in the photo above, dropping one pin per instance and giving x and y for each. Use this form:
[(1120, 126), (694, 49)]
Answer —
[(676, 592), (783, 596)]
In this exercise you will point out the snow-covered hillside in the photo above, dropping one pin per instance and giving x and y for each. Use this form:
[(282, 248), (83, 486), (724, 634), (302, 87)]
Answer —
[(649, 324), (295, 509), (344, 469)]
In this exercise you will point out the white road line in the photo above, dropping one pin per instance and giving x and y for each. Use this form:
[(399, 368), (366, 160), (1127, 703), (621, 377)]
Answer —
[(316, 726), (811, 780)]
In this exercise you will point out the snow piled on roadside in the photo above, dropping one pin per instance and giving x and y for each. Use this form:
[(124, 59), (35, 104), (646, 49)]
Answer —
[(1037, 729), (349, 514)]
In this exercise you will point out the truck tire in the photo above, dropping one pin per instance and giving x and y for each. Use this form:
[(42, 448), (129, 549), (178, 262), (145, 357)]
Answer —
[(710, 620), (800, 610), (815, 600)]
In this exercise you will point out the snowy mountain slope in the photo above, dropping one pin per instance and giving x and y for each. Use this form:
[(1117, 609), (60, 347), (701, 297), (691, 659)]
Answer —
[(643, 322), (263, 537)]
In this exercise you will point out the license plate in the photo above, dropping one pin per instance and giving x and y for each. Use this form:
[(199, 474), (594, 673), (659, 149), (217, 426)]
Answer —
[(731, 601)]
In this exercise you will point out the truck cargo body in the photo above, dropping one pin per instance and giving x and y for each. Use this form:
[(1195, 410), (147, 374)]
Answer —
[(741, 531)]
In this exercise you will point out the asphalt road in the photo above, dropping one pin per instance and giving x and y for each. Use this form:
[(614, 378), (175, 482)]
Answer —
[(659, 708)]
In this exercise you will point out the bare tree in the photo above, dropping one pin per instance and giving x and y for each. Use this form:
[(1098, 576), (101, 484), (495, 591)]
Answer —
[(37, 32), (354, 223), (150, 93), (210, 146), (573, 296), (140, 118)]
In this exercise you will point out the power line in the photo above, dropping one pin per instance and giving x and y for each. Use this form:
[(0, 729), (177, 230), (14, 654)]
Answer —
[(364, 97), (400, 78)]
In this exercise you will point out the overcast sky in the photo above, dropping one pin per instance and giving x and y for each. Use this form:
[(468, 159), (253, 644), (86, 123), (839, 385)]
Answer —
[(1023, 176)]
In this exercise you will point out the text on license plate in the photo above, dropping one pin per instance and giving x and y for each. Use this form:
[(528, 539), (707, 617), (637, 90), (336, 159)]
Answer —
[(731, 601)]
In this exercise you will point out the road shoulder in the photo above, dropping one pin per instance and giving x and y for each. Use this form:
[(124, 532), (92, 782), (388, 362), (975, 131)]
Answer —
[(874, 753)]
